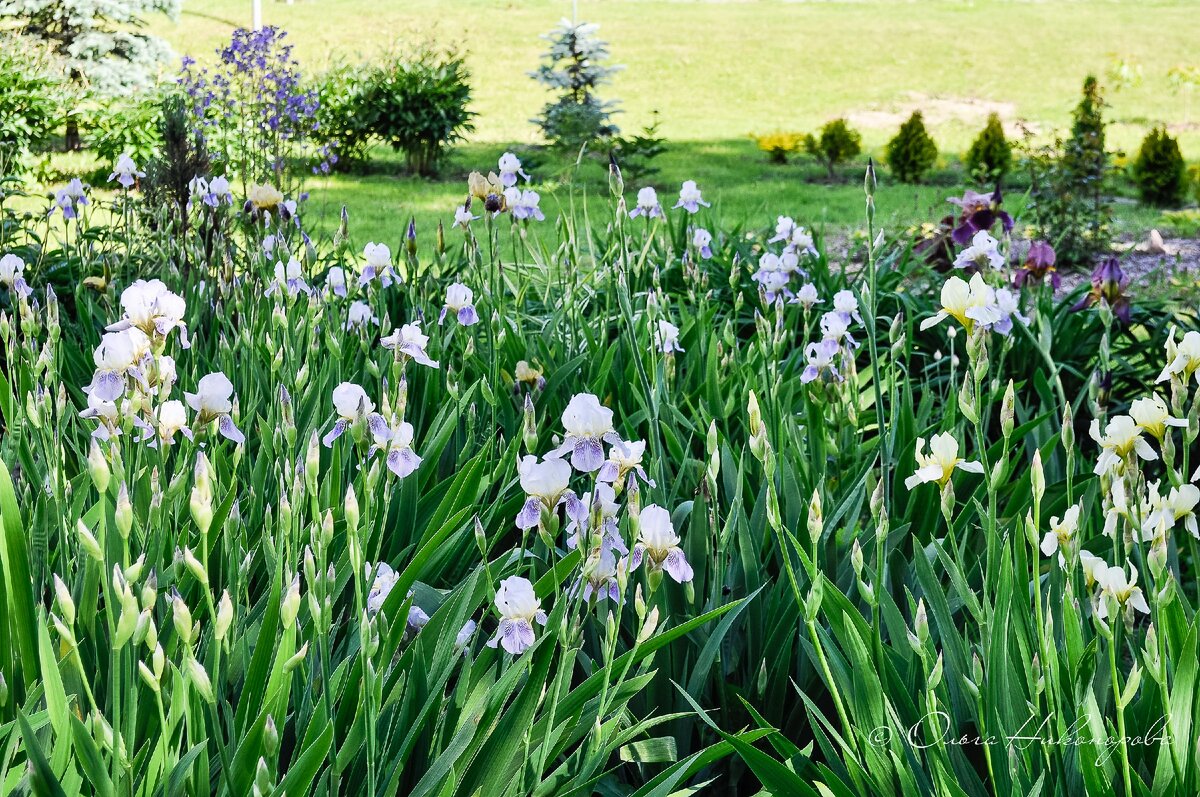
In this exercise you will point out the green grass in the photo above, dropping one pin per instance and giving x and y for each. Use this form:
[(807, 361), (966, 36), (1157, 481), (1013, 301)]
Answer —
[(717, 72)]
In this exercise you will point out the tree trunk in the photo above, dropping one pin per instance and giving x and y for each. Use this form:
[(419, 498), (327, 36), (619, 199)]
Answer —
[(72, 141)]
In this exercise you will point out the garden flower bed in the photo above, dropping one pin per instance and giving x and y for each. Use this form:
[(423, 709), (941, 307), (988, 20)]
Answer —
[(655, 506)]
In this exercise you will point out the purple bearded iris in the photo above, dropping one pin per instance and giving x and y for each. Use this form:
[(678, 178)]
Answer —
[(1038, 266), (979, 212), (1108, 283)]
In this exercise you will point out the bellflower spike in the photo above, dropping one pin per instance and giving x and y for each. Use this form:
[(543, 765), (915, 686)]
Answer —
[(519, 608), (212, 401), (690, 198), (460, 301), (658, 545), (940, 463), (587, 423)]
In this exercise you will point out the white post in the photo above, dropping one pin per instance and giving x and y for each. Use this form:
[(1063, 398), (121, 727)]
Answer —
[(256, 14)]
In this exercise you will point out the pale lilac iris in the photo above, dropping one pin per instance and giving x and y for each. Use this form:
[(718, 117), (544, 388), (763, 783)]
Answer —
[(125, 172), (410, 342), (12, 275), (587, 424), (821, 357), (647, 204), (658, 545), (546, 486), (519, 608), (397, 441), (510, 167), (353, 406), (690, 198), (460, 301), (213, 401)]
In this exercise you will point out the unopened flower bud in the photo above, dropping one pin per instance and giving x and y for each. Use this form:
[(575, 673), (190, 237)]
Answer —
[(1008, 411), (290, 606), (816, 523), (921, 622), (182, 618), (270, 737), (296, 660), (194, 566), (66, 604), (88, 542), (98, 468), (935, 677), (198, 678), (224, 616), (1037, 476), (856, 558), (352, 510)]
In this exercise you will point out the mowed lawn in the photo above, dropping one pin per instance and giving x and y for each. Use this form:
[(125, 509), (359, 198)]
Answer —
[(716, 72)]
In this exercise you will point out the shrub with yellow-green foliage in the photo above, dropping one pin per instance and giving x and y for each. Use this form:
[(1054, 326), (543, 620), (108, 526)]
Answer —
[(779, 145)]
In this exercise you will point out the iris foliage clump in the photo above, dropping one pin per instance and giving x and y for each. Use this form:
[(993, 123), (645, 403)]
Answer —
[(666, 506)]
